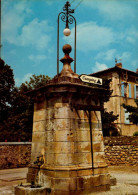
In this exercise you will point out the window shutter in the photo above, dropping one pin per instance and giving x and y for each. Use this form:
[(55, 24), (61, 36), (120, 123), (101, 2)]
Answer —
[(135, 91)]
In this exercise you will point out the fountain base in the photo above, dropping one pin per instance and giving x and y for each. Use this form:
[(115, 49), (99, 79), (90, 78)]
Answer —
[(27, 189), (31, 190)]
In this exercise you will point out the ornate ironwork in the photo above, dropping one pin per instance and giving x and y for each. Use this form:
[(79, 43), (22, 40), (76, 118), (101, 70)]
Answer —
[(63, 17), (66, 17), (70, 19)]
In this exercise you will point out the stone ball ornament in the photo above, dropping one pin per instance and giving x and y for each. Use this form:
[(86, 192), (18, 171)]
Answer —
[(66, 31), (67, 49)]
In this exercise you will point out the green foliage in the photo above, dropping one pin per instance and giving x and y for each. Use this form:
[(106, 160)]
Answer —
[(108, 118), (6, 94), (17, 123), (133, 112), (21, 115), (6, 88), (135, 134), (107, 94), (108, 125), (35, 82)]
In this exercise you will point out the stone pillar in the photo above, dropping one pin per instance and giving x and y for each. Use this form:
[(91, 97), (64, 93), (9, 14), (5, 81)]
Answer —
[(67, 145)]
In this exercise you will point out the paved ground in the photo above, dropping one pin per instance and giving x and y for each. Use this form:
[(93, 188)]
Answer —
[(11, 177), (127, 180)]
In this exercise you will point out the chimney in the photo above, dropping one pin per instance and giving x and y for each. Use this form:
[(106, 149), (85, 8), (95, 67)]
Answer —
[(119, 65), (137, 71)]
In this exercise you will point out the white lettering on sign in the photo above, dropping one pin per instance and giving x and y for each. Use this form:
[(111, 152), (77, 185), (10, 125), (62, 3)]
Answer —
[(90, 79)]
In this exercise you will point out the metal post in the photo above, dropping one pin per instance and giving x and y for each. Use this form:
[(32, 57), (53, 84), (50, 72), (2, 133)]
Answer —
[(75, 50), (91, 139), (68, 19), (75, 45), (58, 46)]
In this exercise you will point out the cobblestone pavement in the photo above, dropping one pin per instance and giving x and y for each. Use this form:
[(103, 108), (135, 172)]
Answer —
[(127, 180)]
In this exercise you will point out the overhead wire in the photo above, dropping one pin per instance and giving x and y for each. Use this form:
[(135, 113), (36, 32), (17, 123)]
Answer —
[(78, 4), (72, 2)]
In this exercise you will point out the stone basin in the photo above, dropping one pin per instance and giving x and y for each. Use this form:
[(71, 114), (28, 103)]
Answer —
[(28, 189)]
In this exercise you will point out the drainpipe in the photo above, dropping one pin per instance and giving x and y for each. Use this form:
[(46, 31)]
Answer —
[(120, 103), (91, 137), (91, 140)]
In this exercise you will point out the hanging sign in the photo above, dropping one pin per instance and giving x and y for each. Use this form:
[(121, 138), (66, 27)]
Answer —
[(89, 79)]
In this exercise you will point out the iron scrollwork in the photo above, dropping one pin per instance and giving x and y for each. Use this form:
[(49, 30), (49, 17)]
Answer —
[(70, 18), (66, 15), (63, 16)]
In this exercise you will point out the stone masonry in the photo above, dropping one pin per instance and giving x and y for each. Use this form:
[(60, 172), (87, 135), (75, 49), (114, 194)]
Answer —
[(121, 150), (14, 154), (67, 145)]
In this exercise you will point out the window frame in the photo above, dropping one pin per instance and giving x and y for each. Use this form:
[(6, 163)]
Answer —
[(126, 115)]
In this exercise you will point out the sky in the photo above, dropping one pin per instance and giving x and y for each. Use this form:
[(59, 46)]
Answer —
[(106, 29)]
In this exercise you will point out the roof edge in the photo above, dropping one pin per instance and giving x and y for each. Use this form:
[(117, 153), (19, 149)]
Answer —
[(115, 68)]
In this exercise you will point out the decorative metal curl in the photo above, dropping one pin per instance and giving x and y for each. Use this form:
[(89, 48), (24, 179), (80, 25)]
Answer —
[(70, 19), (63, 17), (69, 10)]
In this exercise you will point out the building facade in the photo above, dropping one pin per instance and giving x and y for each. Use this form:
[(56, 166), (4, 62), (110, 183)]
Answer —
[(125, 90)]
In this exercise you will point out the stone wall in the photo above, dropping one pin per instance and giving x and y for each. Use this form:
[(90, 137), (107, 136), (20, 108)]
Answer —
[(16, 154), (121, 150), (118, 151)]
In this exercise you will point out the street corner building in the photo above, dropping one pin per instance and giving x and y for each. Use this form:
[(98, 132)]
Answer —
[(125, 90)]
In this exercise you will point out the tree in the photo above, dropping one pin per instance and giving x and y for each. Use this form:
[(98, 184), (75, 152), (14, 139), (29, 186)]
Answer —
[(20, 118), (35, 82), (6, 88), (6, 93), (108, 118), (108, 92), (133, 112), (108, 125), (19, 122)]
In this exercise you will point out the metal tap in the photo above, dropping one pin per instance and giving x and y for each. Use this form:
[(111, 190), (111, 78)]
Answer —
[(39, 161)]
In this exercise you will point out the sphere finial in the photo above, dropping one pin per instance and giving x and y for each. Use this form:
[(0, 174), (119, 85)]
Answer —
[(66, 59), (67, 49)]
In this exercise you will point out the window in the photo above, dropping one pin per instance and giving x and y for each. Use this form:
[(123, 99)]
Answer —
[(136, 91), (126, 114), (124, 89), (130, 90)]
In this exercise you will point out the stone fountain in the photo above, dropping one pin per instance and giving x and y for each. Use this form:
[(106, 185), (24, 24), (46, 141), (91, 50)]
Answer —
[(67, 142)]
